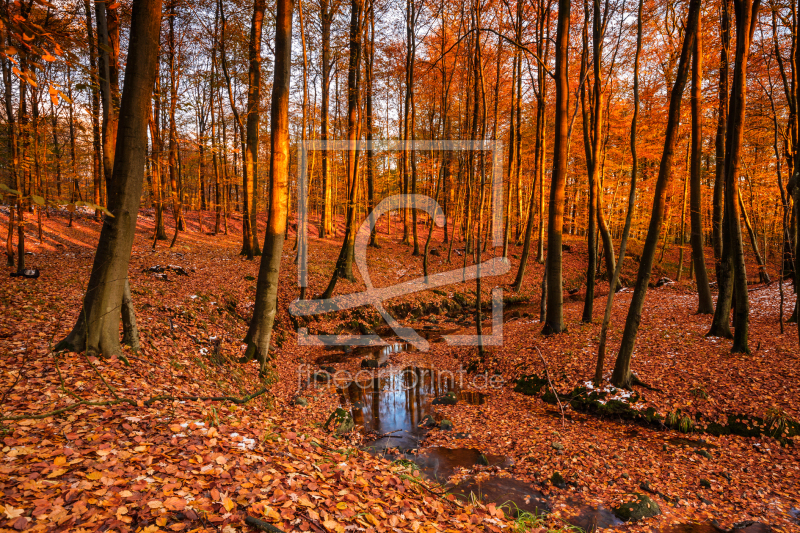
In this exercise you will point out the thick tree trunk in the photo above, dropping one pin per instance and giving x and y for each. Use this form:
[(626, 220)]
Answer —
[(266, 304), (622, 376), (97, 326), (554, 318), (253, 117)]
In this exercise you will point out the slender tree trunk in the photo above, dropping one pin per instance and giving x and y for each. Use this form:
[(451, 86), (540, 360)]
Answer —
[(601, 349), (763, 276), (705, 304), (344, 264), (622, 376)]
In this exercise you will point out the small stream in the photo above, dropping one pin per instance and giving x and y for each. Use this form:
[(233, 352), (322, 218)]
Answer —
[(392, 406), (394, 409)]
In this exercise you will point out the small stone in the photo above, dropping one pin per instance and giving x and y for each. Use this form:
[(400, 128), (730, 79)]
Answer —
[(626, 475), (557, 446), (369, 363), (706, 484), (704, 453), (321, 376), (299, 400)]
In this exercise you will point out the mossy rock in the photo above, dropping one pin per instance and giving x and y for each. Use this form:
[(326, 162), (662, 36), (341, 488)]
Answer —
[(530, 385), (369, 363), (557, 480), (446, 425), (642, 507), (706, 484), (321, 375), (341, 420), (448, 399), (427, 422), (299, 400)]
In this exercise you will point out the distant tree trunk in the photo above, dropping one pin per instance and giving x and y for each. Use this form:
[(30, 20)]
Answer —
[(95, 107), (722, 118), (763, 276), (344, 264), (705, 304), (327, 223), (266, 304), (622, 376), (97, 326), (554, 319)]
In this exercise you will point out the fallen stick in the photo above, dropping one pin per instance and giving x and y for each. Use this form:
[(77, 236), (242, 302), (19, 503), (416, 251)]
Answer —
[(261, 525), (547, 373)]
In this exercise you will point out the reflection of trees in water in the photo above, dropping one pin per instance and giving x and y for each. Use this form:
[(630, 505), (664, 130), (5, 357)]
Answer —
[(396, 400)]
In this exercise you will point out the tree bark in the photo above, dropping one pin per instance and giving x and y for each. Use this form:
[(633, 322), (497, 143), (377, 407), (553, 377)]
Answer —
[(554, 316), (266, 304), (97, 326), (705, 304)]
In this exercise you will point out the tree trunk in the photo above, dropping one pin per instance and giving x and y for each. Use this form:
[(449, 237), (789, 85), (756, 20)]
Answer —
[(344, 263), (622, 376), (327, 226), (746, 18), (601, 349), (554, 319), (97, 326), (266, 304), (705, 304), (763, 276)]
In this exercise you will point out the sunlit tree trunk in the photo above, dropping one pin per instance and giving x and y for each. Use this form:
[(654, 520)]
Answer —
[(554, 317), (266, 303)]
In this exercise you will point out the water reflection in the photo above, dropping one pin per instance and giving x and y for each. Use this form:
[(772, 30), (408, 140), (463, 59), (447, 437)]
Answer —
[(396, 402)]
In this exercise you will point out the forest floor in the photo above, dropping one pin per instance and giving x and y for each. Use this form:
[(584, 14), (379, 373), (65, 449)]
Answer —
[(113, 460)]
